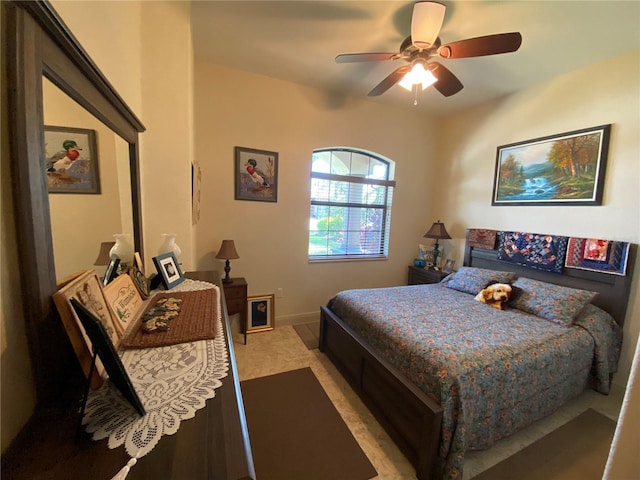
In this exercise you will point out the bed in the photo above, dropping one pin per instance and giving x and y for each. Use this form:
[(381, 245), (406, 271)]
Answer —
[(445, 374)]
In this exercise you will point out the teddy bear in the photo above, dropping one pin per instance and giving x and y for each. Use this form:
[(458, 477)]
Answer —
[(495, 295)]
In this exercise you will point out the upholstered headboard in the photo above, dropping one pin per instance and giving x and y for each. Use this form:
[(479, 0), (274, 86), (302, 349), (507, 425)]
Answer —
[(613, 290)]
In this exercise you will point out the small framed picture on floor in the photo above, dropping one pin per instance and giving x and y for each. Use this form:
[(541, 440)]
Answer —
[(260, 309)]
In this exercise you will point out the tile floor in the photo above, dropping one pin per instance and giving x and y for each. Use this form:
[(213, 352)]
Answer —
[(281, 349)]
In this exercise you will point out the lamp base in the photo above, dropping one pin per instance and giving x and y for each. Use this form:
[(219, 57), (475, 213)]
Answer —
[(227, 269), (436, 254)]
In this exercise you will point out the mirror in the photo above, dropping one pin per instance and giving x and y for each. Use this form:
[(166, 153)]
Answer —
[(39, 46), (81, 221)]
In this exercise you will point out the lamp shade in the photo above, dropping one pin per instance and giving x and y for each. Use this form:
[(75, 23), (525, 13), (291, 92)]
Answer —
[(437, 231), (103, 254), (227, 250)]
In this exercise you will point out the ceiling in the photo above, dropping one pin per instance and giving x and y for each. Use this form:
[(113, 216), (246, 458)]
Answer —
[(297, 41)]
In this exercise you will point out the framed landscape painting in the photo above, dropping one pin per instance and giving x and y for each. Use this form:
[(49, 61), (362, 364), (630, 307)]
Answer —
[(564, 169), (256, 175)]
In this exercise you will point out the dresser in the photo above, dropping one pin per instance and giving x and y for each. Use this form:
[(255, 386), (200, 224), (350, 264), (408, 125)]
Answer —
[(418, 275), (214, 445)]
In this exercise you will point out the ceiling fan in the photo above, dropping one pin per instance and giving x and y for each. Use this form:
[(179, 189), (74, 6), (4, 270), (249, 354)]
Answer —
[(423, 46)]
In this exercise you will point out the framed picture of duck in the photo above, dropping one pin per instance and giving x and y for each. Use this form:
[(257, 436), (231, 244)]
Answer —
[(256, 175), (71, 160)]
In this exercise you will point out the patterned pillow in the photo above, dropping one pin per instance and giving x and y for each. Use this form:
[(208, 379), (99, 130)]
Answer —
[(557, 304), (473, 279)]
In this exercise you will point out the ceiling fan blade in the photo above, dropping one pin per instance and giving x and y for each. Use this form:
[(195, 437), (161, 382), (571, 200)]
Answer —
[(390, 81), (366, 57), (426, 23), (481, 46), (447, 84)]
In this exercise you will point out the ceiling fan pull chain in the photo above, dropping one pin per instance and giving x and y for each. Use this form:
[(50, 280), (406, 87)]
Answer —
[(415, 94)]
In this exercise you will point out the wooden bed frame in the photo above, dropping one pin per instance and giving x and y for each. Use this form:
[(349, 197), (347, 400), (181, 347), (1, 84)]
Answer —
[(410, 417)]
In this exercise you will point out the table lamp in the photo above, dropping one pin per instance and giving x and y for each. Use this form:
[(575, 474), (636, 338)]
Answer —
[(227, 252), (437, 231)]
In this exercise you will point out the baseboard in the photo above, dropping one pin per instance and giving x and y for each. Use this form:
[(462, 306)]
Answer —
[(298, 318)]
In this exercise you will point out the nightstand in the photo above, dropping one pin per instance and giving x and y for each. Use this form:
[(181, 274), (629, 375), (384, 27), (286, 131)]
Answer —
[(235, 294), (419, 276)]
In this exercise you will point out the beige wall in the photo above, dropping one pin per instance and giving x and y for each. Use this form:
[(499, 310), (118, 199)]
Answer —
[(110, 32), (233, 108), (167, 112), (585, 98)]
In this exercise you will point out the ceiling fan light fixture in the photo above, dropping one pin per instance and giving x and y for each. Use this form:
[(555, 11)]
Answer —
[(418, 75)]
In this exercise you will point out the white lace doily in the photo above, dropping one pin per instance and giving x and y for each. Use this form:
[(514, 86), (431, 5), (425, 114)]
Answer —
[(172, 382)]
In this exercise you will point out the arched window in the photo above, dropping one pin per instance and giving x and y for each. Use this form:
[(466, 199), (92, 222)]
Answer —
[(351, 193)]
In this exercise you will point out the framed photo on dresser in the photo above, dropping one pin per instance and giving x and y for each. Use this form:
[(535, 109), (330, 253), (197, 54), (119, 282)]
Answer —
[(169, 269), (86, 289)]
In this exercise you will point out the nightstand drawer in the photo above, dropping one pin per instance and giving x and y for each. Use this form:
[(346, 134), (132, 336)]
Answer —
[(235, 295), (419, 276), (236, 305), (231, 292)]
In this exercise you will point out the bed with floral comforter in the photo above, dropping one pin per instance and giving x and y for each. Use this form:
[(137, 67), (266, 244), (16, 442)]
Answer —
[(492, 371)]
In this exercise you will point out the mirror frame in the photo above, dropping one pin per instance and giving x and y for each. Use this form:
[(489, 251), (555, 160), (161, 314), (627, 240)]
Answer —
[(40, 44)]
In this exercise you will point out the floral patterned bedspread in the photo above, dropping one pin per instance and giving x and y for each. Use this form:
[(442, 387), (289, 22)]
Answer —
[(492, 371)]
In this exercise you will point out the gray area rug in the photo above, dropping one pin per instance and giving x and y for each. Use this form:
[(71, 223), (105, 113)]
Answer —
[(309, 333), (578, 450)]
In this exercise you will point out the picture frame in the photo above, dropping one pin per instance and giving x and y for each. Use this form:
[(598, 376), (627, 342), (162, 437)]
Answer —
[(564, 169), (429, 255), (260, 313), (448, 266), (137, 262), (111, 272), (125, 302), (256, 175), (140, 281), (169, 269), (107, 353), (71, 160), (87, 289), (139, 277)]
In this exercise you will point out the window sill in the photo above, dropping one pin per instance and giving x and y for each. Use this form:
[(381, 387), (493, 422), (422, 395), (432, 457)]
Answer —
[(363, 258)]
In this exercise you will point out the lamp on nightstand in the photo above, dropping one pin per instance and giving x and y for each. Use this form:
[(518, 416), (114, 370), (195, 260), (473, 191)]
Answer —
[(438, 232), (227, 252)]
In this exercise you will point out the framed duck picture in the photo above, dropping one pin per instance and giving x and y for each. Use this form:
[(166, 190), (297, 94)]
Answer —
[(71, 160), (256, 175)]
